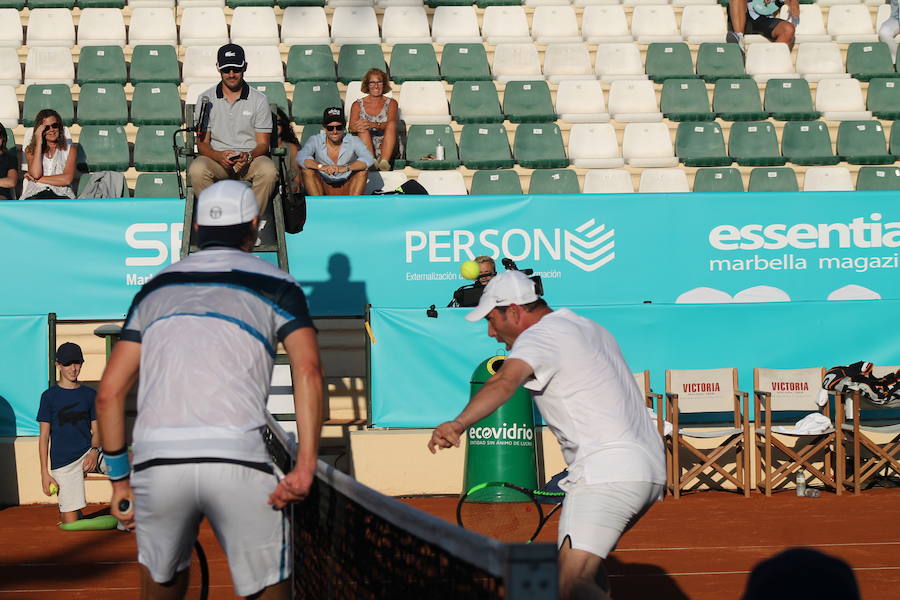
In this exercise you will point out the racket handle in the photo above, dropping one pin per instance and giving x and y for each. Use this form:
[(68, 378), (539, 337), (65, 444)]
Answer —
[(124, 506)]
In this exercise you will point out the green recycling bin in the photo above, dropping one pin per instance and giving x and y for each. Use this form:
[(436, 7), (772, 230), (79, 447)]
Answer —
[(500, 447)]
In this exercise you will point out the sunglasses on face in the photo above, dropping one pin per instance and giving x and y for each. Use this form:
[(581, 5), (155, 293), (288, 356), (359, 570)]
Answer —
[(483, 275), (334, 127), (231, 70), (53, 125)]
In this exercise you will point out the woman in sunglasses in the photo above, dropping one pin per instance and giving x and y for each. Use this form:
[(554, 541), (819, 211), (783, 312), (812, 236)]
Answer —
[(50, 159), (374, 118)]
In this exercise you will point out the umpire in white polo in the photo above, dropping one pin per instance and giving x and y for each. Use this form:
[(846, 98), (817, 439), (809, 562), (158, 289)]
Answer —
[(203, 336), (587, 395)]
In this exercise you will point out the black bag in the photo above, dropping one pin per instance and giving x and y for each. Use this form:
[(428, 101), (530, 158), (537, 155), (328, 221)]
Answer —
[(409, 187), (294, 212)]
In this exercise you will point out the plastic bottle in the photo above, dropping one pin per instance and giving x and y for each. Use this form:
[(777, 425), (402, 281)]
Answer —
[(801, 484), (439, 151)]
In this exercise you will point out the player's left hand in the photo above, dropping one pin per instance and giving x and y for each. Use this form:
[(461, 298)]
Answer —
[(89, 464), (445, 435), (293, 487)]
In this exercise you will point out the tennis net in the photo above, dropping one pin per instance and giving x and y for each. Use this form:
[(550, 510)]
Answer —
[(355, 543)]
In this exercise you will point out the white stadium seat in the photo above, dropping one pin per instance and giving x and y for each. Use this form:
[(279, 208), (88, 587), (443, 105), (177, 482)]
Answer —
[(354, 25), (820, 60), (455, 25), (581, 101), (827, 179), (208, 3), (254, 26), (304, 25), (193, 92), (836, 2), (10, 28), (152, 26), (101, 27), (388, 3), (812, 24), (654, 23), (594, 146), (405, 25), (505, 24), (264, 64), (49, 64), (203, 26), (443, 183), (555, 25), (50, 27), (10, 67), (608, 181), (516, 62), (536, 3), (767, 61), (633, 101), (663, 181), (851, 23), (703, 23), (135, 4), (423, 103), (340, 3), (841, 100), (648, 145), (9, 106), (605, 24), (619, 61), (200, 65), (567, 61)]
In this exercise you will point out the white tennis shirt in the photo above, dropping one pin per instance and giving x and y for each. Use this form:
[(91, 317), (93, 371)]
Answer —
[(588, 397)]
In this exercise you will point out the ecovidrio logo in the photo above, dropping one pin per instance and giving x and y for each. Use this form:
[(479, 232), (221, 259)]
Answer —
[(507, 434)]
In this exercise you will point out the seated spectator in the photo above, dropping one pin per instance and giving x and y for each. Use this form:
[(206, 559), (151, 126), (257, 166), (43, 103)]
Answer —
[(334, 163), (487, 270), (9, 170), (890, 28), (287, 139), (762, 20), (374, 118), (50, 159)]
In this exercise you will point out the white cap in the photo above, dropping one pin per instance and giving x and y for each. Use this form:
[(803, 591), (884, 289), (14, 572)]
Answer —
[(226, 202), (509, 287)]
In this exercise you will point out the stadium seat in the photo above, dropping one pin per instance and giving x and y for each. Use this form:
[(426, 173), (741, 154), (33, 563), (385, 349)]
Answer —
[(485, 146), (820, 60), (103, 148), (48, 64), (475, 102), (134, 4), (274, 92), (304, 26), (354, 25), (56, 96), (773, 180), (554, 181), (10, 28), (50, 27), (489, 3), (567, 61), (753, 144), (633, 101), (206, 3), (13, 4), (717, 61), (539, 146), (153, 148), (555, 25), (264, 63), (285, 4), (703, 23), (440, 3), (670, 181), (767, 61), (443, 183), (863, 143), (605, 24), (807, 143), (10, 67), (200, 65), (343, 3), (515, 62), (581, 101), (619, 61), (537, 3), (505, 181), (423, 103), (354, 60), (666, 61), (156, 104), (701, 145), (310, 100), (790, 100), (685, 100), (654, 23), (154, 64), (101, 27), (405, 25), (812, 24), (528, 102), (203, 26), (894, 140), (851, 23), (103, 104), (101, 64), (152, 26), (737, 100), (608, 181), (877, 178), (827, 179), (455, 25), (883, 98), (41, 4), (841, 100), (414, 62), (421, 142), (465, 62), (648, 145), (253, 26), (505, 25), (594, 146), (9, 106), (308, 131), (310, 63), (866, 61), (718, 180), (156, 185)]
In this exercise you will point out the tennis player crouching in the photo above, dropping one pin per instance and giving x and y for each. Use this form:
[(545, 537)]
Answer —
[(586, 393)]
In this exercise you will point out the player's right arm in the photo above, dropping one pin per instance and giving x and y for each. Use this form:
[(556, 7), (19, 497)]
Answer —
[(44, 450)]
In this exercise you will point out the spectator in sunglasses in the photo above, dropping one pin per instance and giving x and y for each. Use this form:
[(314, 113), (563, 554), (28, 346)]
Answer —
[(332, 162), (487, 269), (50, 158), (374, 118)]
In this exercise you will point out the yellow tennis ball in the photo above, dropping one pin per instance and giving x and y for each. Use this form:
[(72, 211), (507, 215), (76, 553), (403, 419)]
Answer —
[(53, 489), (469, 269)]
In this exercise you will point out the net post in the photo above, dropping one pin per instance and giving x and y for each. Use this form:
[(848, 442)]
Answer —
[(531, 572)]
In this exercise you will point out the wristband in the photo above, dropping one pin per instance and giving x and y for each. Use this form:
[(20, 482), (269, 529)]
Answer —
[(118, 465), (795, 21)]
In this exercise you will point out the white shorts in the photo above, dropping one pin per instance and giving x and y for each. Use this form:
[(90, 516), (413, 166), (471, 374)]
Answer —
[(595, 516), (70, 480), (171, 500)]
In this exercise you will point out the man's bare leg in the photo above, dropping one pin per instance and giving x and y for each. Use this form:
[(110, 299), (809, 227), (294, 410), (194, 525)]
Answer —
[(582, 575), (312, 182), (358, 183), (279, 591), (171, 590)]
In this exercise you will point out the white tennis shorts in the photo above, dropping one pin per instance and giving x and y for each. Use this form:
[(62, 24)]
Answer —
[(595, 516), (70, 479), (171, 500)]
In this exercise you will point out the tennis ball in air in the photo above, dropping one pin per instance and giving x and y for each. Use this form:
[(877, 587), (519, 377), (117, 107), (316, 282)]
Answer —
[(53, 489), (469, 269)]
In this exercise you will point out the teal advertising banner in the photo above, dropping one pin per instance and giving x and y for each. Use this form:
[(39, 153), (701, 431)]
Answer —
[(421, 366), (23, 372)]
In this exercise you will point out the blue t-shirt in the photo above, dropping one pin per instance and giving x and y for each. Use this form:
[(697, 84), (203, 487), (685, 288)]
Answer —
[(69, 412)]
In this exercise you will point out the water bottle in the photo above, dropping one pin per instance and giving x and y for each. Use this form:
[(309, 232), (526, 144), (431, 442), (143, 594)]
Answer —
[(439, 151), (801, 484)]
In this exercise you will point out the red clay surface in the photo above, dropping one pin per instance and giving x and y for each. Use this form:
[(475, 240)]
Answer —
[(700, 547)]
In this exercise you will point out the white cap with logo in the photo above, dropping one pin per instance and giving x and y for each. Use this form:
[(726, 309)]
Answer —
[(226, 202), (509, 287)]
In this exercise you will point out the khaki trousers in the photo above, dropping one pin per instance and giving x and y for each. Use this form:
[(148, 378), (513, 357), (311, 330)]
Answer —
[(261, 174)]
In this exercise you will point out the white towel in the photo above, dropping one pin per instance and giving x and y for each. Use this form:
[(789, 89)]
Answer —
[(811, 424), (667, 426)]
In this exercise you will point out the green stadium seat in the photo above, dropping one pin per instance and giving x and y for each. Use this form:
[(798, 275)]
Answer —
[(754, 144), (504, 181), (763, 179), (877, 178), (554, 181), (16, 4), (421, 141), (156, 104), (475, 102), (154, 64), (539, 146), (414, 62), (807, 143), (82, 4), (310, 63), (685, 100), (486, 3), (311, 98), (701, 145), (236, 3), (275, 93), (528, 102), (718, 180), (309, 131), (156, 185), (56, 96), (436, 3), (720, 61), (485, 146), (102, 104), (153, 148), (33, 4), (355, 59), (101, 64), (790, 100), (669, 60), (863, 143), (465, 62), (102, 148), (738, 100), (883, 98), (866, 60), (287, 3)]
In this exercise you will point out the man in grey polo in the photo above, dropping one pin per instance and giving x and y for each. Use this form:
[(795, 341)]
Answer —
[(234, 139)]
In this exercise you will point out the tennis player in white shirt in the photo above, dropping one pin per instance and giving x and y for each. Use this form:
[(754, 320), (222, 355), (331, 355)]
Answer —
[(588, 397)]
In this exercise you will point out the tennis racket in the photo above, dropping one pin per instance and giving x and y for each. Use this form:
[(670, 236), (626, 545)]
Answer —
[(505, 511)]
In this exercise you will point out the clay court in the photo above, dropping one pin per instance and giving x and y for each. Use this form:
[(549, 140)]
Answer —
[(701, 547)]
